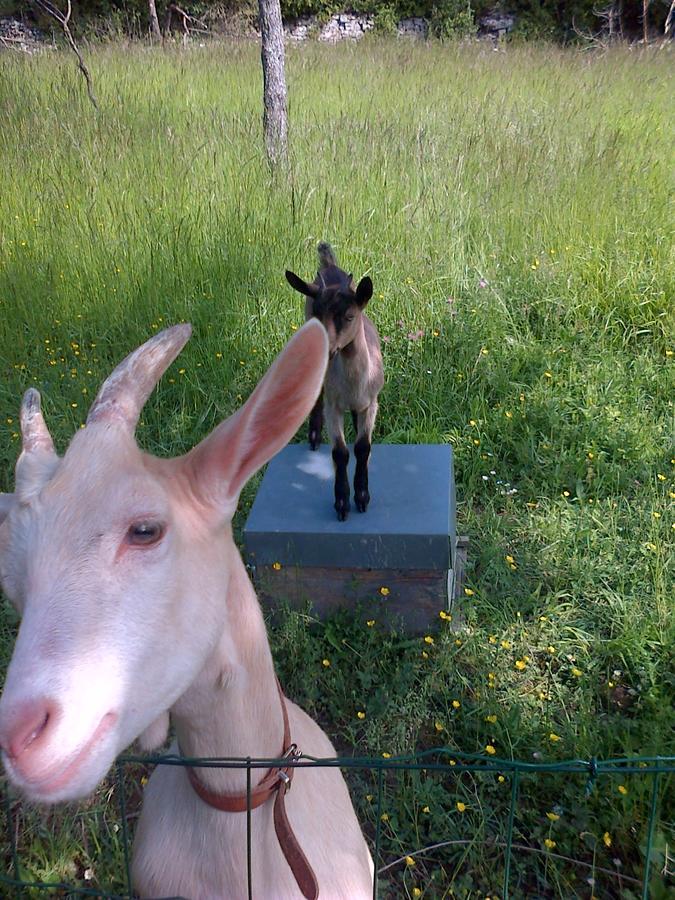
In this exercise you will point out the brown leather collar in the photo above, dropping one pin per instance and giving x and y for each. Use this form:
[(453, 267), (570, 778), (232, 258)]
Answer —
[(277, 781)]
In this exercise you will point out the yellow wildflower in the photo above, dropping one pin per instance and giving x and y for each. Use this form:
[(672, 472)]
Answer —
[(360, 714), (439, 726), (370, 623), (520, 664), (622, 789), (456, 704), (445, 616), (409, 861), (509, 558), (276, 566), (325, 663), (416, 892), (461, 806), (506, 645), (607, 839), (384, 591), (491, 719), (386, 755), (554, 738), (552, 816), (577, 672), (490, 750), (468, 592), (428, 639), (549, 844)]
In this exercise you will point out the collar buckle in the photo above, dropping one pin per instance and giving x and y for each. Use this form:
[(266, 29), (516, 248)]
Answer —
[(292, 753)]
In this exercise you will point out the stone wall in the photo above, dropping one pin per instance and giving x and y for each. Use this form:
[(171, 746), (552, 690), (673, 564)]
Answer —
[(349, 26), (17, 35)]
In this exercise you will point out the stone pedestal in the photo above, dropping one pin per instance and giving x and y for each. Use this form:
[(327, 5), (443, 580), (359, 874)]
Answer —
[(398, 561)]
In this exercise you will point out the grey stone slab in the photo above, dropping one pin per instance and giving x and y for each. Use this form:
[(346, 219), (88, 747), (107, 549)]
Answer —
[(410, 522)]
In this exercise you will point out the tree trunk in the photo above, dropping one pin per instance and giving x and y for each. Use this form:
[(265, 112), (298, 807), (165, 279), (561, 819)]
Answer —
[(275, 118), (645, 29), (154, 21)]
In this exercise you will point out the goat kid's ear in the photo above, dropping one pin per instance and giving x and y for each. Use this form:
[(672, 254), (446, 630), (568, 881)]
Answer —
[(220, 466), (309, 290), (364, 291), (6, 503)]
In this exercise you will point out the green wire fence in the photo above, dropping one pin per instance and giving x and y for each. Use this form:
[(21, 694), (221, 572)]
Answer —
[(432, 761)]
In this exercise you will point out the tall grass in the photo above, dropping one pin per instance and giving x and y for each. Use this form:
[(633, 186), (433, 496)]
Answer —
[(512, 205)]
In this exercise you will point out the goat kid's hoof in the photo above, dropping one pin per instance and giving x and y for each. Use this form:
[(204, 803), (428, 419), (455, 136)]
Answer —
[(362, 499), (342, 509), (314, 442)]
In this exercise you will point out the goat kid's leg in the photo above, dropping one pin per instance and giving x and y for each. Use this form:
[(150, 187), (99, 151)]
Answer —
[(335, 423), (316, 424), (364, 431)]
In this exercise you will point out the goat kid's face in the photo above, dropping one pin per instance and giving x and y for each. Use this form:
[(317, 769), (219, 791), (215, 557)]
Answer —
[(337, 307), (118, 564)]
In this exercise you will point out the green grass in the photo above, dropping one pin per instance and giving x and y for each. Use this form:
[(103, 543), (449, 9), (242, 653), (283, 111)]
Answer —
[(515, 207)]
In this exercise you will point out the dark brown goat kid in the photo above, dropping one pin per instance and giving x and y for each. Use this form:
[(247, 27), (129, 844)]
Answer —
[(355, 374)]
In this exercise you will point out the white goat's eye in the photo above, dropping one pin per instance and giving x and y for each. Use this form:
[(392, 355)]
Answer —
[(142, 534)]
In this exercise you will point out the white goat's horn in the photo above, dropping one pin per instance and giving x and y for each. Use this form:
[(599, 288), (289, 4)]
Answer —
[(34, 432), (123, 394)]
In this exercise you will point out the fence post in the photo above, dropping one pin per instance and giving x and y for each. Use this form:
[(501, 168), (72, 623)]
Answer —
[(125, 831), (378, 828), (249, 867), (650, 836), (515, 778)]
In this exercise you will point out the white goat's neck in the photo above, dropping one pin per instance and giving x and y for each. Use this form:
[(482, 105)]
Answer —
[(233, 708)]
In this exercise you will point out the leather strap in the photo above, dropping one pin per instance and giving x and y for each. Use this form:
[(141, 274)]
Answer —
[(276, 781)]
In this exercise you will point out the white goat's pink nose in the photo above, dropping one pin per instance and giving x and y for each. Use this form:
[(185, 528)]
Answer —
[(26, 728)]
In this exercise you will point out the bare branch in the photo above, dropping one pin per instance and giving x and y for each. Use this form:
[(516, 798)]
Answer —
[(669, 27), (63, 19)]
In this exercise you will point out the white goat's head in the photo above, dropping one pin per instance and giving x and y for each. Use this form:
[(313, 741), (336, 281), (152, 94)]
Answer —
[(117, 562)]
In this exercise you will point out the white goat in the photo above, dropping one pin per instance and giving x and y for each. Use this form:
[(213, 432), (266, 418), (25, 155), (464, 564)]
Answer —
[(135, 606)]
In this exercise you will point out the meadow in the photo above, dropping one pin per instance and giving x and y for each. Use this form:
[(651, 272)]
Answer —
[(512, 208)]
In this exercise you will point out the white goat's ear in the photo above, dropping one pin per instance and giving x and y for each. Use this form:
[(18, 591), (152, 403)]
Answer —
[(6, 502), (155, 734), (221, 465)]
